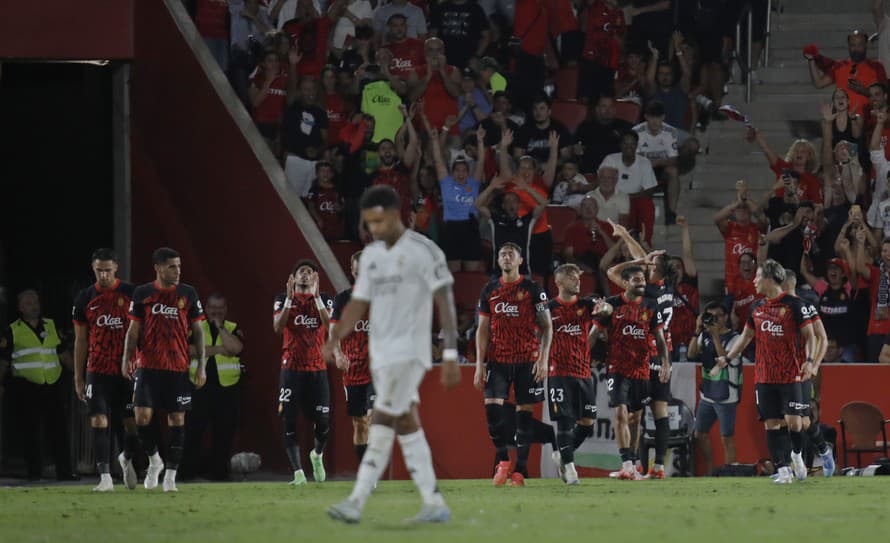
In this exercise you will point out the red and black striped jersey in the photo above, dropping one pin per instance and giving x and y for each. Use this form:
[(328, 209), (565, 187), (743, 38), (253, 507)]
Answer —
[(512, 308), (631, 326), (355, 345), (103, 311), (304, 333), (776, 324), (570, 350), (166, 315)]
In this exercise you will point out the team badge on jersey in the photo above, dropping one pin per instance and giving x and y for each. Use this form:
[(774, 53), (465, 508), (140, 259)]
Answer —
[(580, 312), (181, 303), (782, 312), (520, 295), (120, 302)]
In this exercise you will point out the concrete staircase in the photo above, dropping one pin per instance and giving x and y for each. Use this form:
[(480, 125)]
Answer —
[(784, 107)]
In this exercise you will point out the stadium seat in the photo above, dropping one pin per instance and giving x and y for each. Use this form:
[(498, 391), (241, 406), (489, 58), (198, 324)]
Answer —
[(343, 251), (560, 217), (567, 83), (628, 111), (861, 422), (570, 113), (467, 287)]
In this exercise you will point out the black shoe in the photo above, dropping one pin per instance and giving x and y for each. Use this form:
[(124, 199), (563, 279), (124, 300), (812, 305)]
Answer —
[(68, 477), (670, 218)]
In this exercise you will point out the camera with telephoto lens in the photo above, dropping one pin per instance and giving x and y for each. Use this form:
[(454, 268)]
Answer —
[(708, 319)]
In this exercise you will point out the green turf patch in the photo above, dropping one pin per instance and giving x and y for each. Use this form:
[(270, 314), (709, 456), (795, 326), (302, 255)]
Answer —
[(687, 510)]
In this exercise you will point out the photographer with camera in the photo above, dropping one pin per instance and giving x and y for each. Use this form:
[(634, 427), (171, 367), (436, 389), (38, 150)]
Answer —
[(721, 381)]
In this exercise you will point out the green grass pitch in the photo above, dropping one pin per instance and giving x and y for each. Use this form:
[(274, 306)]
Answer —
[(714, 510)]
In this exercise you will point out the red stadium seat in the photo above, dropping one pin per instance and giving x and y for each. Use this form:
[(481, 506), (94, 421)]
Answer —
[(344, 250), (560, 218), (570, 113), (567, 83), (628, 111), (467, 287)]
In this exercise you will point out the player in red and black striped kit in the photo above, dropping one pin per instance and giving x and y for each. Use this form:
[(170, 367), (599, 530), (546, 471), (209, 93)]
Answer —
[(302, 315), (161, 315), (662, 276), (352, 358), (513, 341), (100, 328), (570, 385), (632, 321), (784, 334)]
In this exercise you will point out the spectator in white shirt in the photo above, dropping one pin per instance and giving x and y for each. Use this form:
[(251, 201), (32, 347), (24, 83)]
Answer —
[(613, 206), (658, 143), (413, 14), (636, 179)]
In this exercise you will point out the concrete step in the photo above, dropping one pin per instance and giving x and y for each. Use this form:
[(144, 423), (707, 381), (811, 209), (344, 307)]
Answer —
[(795, 52), (793, 36), (826, 6), (829, 21)]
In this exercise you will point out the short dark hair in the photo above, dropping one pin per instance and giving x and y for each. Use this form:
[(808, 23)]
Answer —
[(308, 262), (385, 140), (163, 254), (880, 85), (542, 99), (632, 134), (216, 295), (381, 196), (626, 273), (396, 16), (885, 241), (714, 304), (500, 94), (104, 253), (512, 246), (655, 108)]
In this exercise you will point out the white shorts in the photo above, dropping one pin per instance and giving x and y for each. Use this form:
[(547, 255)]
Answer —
[(397, 387)]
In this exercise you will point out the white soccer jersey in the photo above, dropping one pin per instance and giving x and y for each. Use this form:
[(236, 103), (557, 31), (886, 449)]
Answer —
[(399, 283), (658, 146)]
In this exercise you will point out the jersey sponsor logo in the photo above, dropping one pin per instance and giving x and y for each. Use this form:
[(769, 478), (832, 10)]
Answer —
[(166, 310), (738, 248), (108, 320), (305, 320), (633, 331), (773, 328), (329, 207), (830, 310), (570, 329), (362, 326), (401, 64), (506, 308)]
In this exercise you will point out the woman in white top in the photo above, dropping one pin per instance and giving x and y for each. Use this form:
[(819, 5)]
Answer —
[(358, 12)]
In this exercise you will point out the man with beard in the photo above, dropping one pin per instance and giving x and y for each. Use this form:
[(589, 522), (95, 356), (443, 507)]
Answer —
[(397, 173), (790, 242), (854, 74), (600, 134)]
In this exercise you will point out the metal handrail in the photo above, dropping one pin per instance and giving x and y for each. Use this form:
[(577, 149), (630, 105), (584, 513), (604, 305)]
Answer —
[(746, 63)]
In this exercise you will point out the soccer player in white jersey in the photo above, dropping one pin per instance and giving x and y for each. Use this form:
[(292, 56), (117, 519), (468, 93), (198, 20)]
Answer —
[(400, 265)]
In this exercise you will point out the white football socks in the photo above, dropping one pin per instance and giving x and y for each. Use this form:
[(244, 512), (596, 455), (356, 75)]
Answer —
[(419, 460), (375, 460)]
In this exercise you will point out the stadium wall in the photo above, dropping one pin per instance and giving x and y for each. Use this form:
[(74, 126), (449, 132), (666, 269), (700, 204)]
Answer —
[(82, 30)]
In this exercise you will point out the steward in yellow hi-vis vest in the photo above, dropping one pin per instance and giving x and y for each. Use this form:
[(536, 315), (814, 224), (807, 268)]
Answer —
[(215, 405), (31, 350)]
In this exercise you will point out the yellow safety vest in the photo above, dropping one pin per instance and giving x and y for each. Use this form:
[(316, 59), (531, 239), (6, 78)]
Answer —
[(32, 359), (228, 367)]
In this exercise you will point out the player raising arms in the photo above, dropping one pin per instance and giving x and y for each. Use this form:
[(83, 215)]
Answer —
[(352, 358), (100, 318), (571, 387), (662, 277), (784, 334), (301, 314), (513, 341), (400, 274), (161, 313), (632, 322)]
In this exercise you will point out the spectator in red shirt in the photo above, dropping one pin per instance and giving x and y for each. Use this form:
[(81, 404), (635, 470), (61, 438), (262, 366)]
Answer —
[(325, 204), (532, 53), (436, 83), (740, 233), (407, 53), (741, 293), (210, 19), (878, 277), (854, 74), (268, 94), (309, 33), (801, 158), (604, 27), (338, 104), (587, 239), (630, 77)]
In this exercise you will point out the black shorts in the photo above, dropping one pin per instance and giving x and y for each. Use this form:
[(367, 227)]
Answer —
[(806, 398), (634, 393), (571, 397), (461, 240), (170, 391), (359, 399), (306, 390), (499, 377), (658, 391), (109, 395), (775, 400)]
